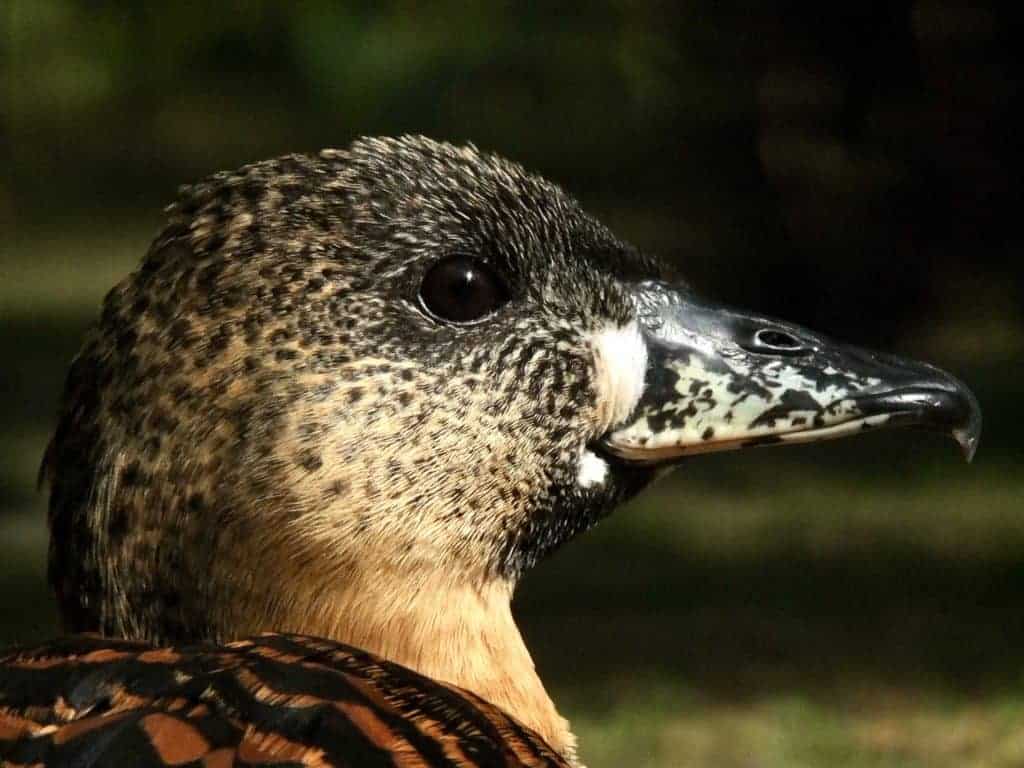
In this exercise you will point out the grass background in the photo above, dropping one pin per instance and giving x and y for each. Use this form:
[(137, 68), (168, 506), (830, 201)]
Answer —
[(853, 166)]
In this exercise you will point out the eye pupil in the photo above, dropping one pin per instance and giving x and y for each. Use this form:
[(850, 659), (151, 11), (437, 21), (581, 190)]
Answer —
[(460, 289)]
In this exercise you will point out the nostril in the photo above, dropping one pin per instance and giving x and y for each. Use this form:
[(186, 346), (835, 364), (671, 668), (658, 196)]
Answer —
[(775, 339)]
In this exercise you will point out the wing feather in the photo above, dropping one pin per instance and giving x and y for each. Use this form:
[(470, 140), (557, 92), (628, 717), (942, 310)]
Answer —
[(272, 700)]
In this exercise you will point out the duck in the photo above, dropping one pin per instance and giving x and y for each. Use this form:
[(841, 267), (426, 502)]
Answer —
[(317, 437)]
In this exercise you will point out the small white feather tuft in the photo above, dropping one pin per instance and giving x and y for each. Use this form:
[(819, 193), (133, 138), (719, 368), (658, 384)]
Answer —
[(621, 357), (593, 470)]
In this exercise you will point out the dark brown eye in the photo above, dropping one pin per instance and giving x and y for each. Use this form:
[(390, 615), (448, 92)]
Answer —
[(460, 289)]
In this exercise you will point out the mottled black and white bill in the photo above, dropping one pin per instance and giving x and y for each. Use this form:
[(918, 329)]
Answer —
[(719, 379)]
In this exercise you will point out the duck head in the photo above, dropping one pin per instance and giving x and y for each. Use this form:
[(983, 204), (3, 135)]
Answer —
[(358, 394)]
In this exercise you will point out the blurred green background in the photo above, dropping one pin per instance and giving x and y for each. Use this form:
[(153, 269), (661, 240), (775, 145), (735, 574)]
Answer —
[(854, 166)]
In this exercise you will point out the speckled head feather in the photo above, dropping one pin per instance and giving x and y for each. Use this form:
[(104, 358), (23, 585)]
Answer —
[(266, 391)]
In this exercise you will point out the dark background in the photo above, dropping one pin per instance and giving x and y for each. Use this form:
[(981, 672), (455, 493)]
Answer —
[(853, 166)]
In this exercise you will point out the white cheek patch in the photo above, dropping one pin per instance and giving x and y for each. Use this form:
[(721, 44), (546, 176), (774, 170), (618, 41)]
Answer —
[(593, 470), (620, 356)]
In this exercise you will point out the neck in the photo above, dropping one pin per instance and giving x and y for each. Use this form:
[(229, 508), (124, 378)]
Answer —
[(459, 634)]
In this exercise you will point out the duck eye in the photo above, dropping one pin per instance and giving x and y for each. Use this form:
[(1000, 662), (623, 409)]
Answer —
[(461, 289)]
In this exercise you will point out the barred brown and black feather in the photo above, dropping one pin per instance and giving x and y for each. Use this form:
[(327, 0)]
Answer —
[(272, 700)]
